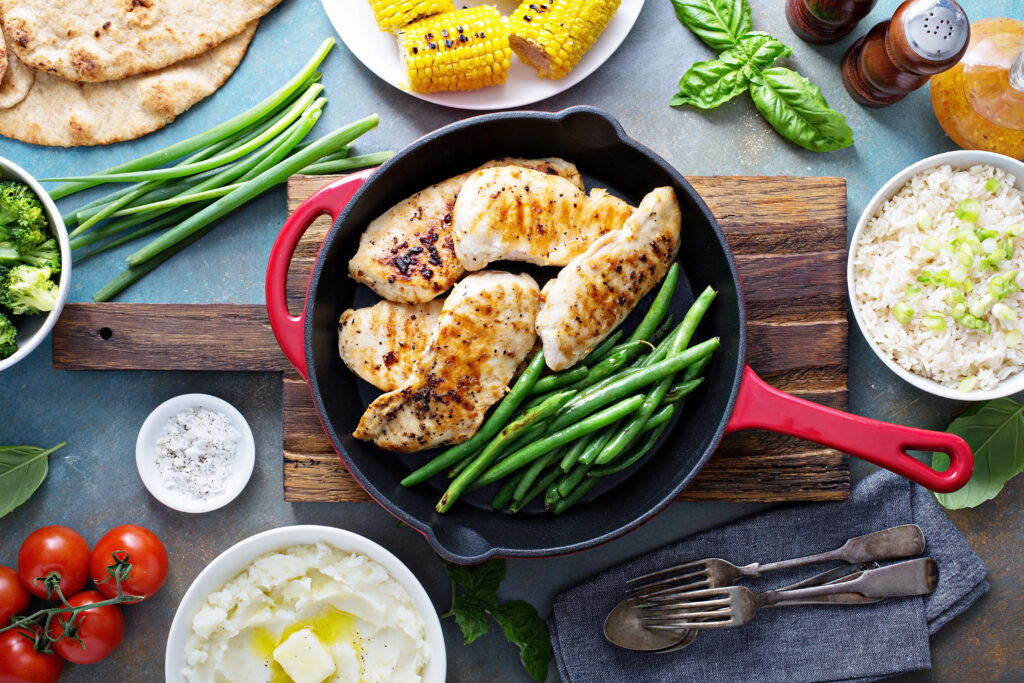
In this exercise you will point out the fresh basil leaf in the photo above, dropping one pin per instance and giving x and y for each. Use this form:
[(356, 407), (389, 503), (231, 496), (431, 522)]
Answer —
[(471, 617), (22, 470), (709, 84), (995, 432), (798, 111), (523, 627), (480, 581), (719, 23)]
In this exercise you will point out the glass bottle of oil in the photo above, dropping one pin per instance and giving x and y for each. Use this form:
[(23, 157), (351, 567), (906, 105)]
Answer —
[(980, 101)]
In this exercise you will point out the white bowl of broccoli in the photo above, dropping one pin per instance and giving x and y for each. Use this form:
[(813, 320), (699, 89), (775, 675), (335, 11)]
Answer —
[(35, 263)]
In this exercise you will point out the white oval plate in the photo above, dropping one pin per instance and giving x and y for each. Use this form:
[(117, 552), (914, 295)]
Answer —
[(378, 51), (235, 559), (145, 459)]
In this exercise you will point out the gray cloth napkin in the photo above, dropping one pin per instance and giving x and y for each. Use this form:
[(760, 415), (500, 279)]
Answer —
[(788, 644)]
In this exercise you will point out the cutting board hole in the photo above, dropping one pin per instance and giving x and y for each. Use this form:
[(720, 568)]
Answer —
[(106, 333)]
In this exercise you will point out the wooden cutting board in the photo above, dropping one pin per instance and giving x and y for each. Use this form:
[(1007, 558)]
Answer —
[(789, 238)]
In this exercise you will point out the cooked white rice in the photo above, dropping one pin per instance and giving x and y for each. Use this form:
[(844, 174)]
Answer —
[(891, 254)]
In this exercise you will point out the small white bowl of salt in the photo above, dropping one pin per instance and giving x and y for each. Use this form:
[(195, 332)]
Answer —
[(195, 453)]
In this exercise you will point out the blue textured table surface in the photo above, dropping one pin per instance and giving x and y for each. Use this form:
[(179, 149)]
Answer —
[(93, 484)]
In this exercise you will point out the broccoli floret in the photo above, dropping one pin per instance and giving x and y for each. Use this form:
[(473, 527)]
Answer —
[(45, 254), (28, 290), (22, 218), (8, 337)]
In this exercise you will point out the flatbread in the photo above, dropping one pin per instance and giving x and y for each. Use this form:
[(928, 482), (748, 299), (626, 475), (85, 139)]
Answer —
[(3, 56), (16, 81), (68, 114), (105, 40)]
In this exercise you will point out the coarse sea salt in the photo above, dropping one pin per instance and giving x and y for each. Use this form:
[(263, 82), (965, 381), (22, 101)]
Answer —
[(195, 452)]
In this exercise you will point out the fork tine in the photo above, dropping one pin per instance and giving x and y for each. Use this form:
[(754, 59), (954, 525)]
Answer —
[(676, 568), (688, 593), (685, 623), (689, 580), (683, 609), (672, 591)]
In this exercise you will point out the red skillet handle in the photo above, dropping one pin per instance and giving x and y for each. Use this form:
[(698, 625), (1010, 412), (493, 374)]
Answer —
[(288, 328), (760, 406)]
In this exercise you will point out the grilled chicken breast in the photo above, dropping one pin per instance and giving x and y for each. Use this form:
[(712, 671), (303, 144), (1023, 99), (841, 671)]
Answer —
[(598, 289), (408, 253), (516, 214), (485, 330), (382, 343)]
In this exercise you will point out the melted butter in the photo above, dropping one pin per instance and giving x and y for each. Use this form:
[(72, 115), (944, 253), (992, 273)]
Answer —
[(331, 626)]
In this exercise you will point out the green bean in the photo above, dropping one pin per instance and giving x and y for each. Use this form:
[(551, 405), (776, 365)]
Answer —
[(679, 391), (253, 188), (537, 449), (694, 370), (659, 307), (502, 412), (490, 453), (565, 503), (538, 487), (661, 417), (588, 456), (663, 329), (532, 434), (588, 401), (223, 130), (507, 489), (461, 465), (680, 339), (558, 380), (571, 480), (646, 445), (601, 350), (534, 470), (576, 451)]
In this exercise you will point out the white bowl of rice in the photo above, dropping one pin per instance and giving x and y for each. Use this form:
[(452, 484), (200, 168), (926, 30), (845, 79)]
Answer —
[(935, 274)]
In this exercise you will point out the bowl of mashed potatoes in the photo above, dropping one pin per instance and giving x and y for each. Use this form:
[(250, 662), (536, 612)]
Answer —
[(305, 604)]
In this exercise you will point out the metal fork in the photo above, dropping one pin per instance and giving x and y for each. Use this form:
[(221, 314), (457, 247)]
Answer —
[(736, 605), (889, 544)]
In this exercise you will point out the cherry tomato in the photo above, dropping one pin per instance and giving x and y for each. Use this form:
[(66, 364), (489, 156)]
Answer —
[(20, 663), (13, 596), (100, 629), (137, 545), (54, 550)]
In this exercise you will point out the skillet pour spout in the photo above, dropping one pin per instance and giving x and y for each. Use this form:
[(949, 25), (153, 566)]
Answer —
[(732, 397)]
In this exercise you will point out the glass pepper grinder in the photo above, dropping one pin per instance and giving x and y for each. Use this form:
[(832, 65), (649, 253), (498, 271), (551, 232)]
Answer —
[(980, 101), (825, 21), (896, 57)]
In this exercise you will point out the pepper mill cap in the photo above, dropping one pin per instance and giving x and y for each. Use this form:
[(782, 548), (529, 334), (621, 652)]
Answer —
[(936, 30)]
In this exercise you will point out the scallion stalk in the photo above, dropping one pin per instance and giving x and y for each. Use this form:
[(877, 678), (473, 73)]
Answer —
[(969, 210)]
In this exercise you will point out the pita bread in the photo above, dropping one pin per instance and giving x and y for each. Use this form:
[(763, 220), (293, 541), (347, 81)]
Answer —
[(3, 56), (105, 40), (16, 81), (68, 114)]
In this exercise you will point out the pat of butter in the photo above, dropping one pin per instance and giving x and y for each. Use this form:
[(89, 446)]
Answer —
[(304, 658)]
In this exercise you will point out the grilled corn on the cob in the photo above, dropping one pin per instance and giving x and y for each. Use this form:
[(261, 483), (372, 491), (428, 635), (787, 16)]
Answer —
[(553, 35), (393, 15), (462, 50)]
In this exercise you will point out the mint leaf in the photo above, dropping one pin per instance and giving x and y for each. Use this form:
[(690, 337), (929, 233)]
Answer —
[(523, 627), (471, 617), (480, 582), (709, 84), (719, 23), (995, 432), (798, 111)]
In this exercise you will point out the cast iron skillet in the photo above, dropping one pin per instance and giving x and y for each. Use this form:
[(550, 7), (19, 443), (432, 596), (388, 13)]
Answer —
[(731, 398)]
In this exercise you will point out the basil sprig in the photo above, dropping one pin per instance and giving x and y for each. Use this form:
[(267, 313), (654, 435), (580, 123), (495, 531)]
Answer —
[(719, 23), (792, 104), (22, 470), (709, 84), (995, 432)]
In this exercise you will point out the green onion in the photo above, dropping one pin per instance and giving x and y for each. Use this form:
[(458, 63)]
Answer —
[(975, 323), (1008, 247), (218, 132), (1013, 230), (959, 311), (955, 296), (913, 292), (989, 245), (985, 233), (964, 256), (982, 305), (1013, 337), (992, 185), (1004, 312), (932, 244), (924, 219), (967, 384), (934, 321), (969, 210), (902, 312), (957, 275)]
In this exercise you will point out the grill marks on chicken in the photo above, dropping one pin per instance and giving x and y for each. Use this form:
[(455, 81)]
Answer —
[(408, 253), (517, 214), (382, 343), (485, 329), (598, 289)]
